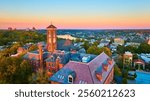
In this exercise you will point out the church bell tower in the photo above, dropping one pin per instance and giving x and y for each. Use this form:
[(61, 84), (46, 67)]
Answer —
[(51, 38)]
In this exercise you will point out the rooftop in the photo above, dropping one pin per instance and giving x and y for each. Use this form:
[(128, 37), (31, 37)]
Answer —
[(85, 72), (51, 26), (62, 76)]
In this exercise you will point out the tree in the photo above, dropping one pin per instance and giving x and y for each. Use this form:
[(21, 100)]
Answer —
[(78, 40), (135, 56), (14, 70), (86, 45), (124, 81), (131, 49), (117, 71), (93, 50), (39, 77), (33, 47), (120, 49), (20, 36), (96, 50), (23, 73), (13, 49), (96, 43), (119, 61), (106, 50), (144, 48)]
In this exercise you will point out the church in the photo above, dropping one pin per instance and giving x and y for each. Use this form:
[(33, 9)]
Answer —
[(70, 67)]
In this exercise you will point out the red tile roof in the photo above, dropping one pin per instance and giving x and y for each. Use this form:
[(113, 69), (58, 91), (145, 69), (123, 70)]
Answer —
[(86, 71), (82, 71), (95, 63), (139, 61)]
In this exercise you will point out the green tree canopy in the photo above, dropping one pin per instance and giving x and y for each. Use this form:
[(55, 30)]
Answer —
[(14, 70), (144, 48), (96, 50)]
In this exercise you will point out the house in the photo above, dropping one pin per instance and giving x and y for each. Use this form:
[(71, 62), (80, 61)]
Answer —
[(113, 47), (148, 41), (92, 41), (119, 41), (145, 57), (127, 59), (104, 42), (134, 44)]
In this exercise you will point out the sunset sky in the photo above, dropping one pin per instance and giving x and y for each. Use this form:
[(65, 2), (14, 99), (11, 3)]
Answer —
[(74, 14)]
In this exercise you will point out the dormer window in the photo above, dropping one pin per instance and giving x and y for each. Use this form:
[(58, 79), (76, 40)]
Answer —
[(105, 67), (70, 79), (82, 82), (99, 76), (52, 58)]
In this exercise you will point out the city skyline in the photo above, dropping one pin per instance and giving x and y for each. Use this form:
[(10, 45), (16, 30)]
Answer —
[(75, 14)]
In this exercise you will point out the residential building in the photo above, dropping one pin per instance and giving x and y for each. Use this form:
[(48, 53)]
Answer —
[(127, 59), (104, 42), (119, 41)]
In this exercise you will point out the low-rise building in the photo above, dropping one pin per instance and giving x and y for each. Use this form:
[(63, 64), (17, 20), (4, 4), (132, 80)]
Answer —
[(104, 42), (127, 59), (119, 41), (134, 44), (145, 57)]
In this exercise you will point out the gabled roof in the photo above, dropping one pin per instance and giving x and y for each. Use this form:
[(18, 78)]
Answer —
[(139, 61), (51, 26), (85, 72), (81, 70), (95, 63), (64, 58)]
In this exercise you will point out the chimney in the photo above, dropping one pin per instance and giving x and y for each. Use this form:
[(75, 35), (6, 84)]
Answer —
[(57, 63), (41, 55), (110, 61)]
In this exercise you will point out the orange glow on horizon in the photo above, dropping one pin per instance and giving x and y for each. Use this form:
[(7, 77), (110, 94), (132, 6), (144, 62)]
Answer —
[(90, 22)]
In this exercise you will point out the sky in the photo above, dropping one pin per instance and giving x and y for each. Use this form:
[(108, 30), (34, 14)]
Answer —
[(75, 14)]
